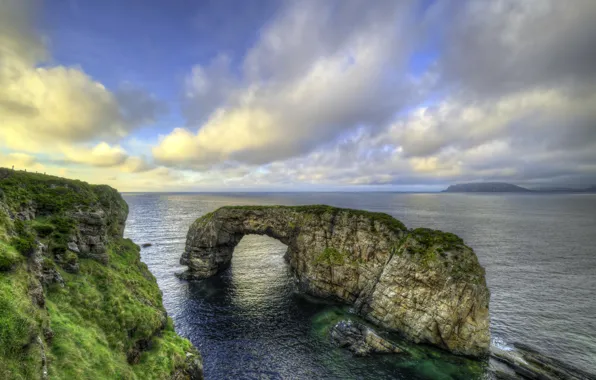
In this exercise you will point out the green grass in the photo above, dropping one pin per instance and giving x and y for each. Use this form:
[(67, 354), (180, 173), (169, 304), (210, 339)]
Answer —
[(104, 313), (331, 256), (50, 194), (20, 323), (386, 219), (55, 196), (100, 315), (6, 225), (430, 237), (9, 257), (168, 353)]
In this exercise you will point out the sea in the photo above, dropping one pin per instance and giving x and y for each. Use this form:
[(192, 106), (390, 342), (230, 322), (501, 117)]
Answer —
[(251, 322)]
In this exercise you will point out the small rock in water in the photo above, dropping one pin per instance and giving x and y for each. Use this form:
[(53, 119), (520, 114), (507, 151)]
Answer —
[(145, 245), (528, 363), (360, 339)]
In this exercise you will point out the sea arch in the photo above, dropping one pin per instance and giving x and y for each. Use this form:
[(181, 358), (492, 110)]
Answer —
[(426, 284)]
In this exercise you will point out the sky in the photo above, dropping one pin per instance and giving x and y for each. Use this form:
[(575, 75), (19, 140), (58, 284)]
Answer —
[(309, 95)]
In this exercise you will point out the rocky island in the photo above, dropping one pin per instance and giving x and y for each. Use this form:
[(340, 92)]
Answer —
[(425, 284), (486, 187), (76, 302)]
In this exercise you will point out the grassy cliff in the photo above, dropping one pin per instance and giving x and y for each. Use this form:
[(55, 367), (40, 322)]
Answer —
[(75, 299)]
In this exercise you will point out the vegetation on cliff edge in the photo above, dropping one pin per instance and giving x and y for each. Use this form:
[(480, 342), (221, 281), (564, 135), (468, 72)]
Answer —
[(106, 321), (386, 219), (105, 314)]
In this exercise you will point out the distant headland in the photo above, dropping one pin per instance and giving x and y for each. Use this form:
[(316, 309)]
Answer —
[(502, 187)]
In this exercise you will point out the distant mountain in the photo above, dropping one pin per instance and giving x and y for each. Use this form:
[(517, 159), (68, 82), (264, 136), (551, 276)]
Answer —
[(486, 187), (501, 187)]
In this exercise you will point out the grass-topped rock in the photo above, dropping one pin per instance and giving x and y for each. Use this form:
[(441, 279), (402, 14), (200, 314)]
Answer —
[(76, 302), (424, 283)]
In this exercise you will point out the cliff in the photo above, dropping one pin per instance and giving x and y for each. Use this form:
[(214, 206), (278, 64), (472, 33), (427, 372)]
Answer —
[(486, 187), (426, 284), (76, 302)]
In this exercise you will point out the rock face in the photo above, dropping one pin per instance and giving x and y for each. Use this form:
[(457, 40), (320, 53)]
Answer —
[(426, 284), (360, 339)]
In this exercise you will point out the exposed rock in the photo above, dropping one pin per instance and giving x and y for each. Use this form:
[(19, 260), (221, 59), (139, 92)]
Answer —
[(360, 339), (43, 359), (426, 284), (68, 261), (73, 247), (193, 368), (145, 245), (527, 363), (26, 211), (36, 268), (91, 236)]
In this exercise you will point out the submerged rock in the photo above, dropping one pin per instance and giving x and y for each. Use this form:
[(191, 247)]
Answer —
[(526, 363), (426, 284), (360, 339)]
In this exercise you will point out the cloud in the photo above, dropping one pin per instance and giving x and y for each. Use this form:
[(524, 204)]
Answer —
[(551, 119), (329, 94), (20, 161), (102, 155), (42, 106), (57, 104), (136, 165), (19, 44), (137, 107), (317, 71), (495, 47)]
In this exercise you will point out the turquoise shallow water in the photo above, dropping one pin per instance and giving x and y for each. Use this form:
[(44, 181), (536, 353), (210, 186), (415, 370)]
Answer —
[(250, 323)]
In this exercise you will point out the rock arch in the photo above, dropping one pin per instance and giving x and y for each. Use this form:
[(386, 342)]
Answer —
[(426, 284)]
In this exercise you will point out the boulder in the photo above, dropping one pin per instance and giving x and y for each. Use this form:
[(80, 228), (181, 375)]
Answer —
[(360, 339)]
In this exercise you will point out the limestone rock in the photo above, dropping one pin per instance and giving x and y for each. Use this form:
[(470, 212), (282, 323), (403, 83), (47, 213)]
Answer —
[(360, 339), (426, 284)]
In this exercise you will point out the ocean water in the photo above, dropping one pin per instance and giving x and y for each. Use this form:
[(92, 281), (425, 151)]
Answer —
[(249, 322)]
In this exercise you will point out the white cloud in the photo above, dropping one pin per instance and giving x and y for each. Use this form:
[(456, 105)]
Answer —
[(316, 72), (102, 155), (20, 161), (44, 108)]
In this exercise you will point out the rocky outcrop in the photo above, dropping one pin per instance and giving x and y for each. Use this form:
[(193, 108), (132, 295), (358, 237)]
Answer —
[(426, 284), (68, 275), (360, 339), (524, 362)]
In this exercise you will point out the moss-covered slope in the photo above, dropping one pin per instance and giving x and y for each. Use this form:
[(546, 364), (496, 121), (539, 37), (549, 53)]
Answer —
[(75, 299)]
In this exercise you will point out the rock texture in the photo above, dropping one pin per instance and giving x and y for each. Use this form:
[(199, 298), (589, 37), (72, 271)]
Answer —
[(360, 339), (526, 363), (426, 284)]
